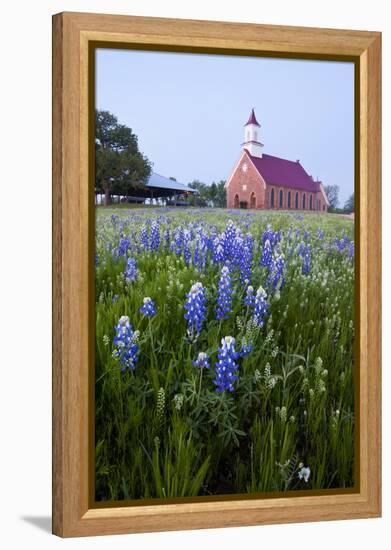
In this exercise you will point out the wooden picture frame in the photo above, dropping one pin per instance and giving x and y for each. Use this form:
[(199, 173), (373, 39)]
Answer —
[(74, 35)]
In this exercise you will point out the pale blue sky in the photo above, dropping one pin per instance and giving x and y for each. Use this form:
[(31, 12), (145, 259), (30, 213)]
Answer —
[(188, 111)]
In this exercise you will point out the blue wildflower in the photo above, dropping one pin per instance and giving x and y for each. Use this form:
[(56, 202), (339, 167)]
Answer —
[(186, 246), (246, 258), (351, 250), (155, 236), (200, 251), (260, 307), (246, 350), (228, 238), (276, 276), (224, 298), (218, 251), (267, 254), (177, 241), (123, 247), (148, 309), (226, 366), (249, 298), (125, 342), (131, 270), (195, 307), (202, 361), (320, 234), (305, 254), (144, 237)]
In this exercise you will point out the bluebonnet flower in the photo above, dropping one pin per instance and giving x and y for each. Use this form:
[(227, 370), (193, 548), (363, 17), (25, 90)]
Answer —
[(226, 366), (186, 246), (131, 270), (246, 350), (341, 244), (245, 256), (306, 257), (114, 219), (305, 254), (155, 236), (202, 361), (260, 307), (228, 238), (320, 234), (123, 247), (96, 259), (351, 250), (115, 299), (249, 298), (148, 308), (144, 238), (125, 342), (276, 276), (200, 251), (218, 251), (195, 307), (273, 237), (267, 254), (177, 241), (224, 297)]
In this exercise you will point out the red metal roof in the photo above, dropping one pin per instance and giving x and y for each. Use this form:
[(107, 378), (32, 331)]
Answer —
[(252, 119), (285, 173)]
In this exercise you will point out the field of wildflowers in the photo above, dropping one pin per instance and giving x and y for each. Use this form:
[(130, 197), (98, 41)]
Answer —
[(224, 352)]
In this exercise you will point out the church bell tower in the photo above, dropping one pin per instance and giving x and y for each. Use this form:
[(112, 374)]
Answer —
[(251, 136)]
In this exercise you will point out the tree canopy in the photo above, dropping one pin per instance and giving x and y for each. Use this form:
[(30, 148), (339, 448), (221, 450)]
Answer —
[(332, 192), (349, 204), (209, 195), (119, 165)]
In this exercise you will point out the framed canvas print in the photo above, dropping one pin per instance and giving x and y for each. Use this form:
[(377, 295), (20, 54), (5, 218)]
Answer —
[(216, 274)]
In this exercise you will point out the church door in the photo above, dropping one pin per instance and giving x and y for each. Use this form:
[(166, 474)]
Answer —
[(253, 201), (236, 201)]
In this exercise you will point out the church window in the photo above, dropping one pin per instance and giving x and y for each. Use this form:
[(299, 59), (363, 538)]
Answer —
[(289, 199), (310, 202), (304, 201), (297, 201), (281, 197), (272, 199)]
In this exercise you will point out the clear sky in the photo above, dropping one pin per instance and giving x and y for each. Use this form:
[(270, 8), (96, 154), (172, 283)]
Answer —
[(188, 111)]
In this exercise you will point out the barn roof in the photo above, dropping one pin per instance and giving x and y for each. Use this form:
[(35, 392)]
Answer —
[(157, 181), (284, 173)]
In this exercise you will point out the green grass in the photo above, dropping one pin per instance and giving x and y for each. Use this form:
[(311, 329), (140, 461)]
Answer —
[(162, 430)]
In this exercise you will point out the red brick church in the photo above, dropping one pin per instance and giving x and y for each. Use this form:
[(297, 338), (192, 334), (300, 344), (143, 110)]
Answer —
[(267, 182)]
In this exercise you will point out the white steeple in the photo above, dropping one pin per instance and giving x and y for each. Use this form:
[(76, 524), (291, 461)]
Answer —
[(251, 136)]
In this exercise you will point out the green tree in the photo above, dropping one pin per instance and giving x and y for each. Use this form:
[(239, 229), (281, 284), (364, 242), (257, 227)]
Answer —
[(213, 194), (349, 204), (332, 192), (221, 194), (119, 165), (201, 197)]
